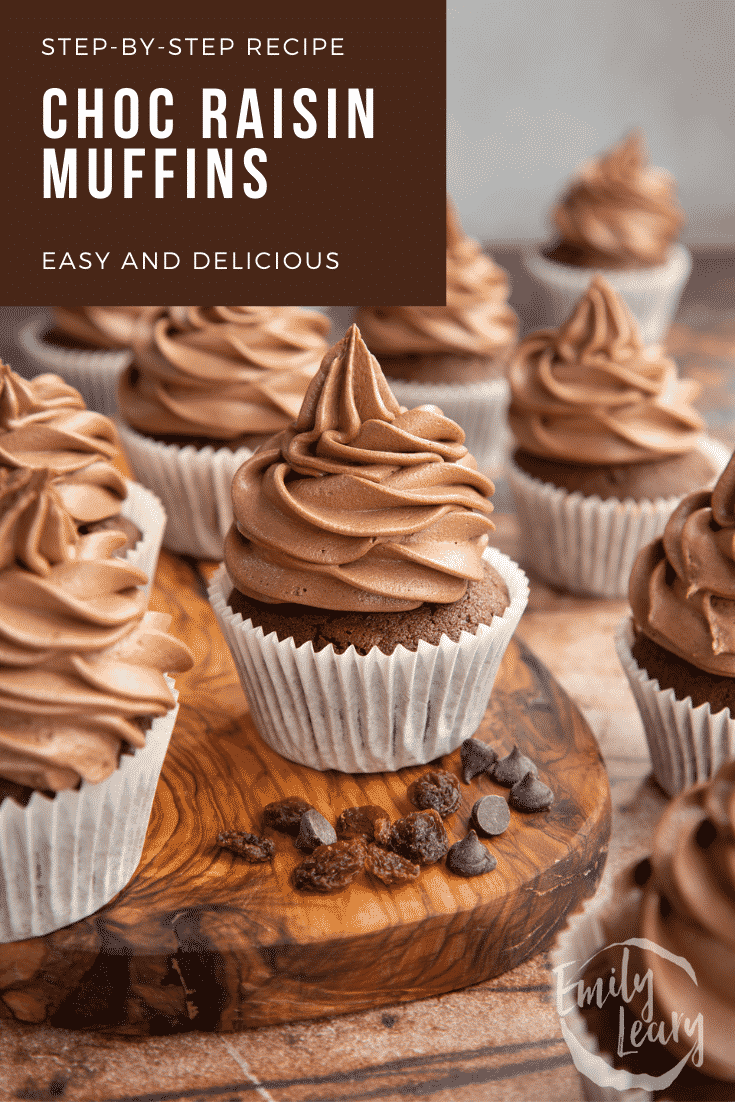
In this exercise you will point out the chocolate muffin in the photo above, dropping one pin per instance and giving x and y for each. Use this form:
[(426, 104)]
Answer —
[(679, 650), (86, 711), (607, 443), (620, 218), (669, 920), (360, 547)]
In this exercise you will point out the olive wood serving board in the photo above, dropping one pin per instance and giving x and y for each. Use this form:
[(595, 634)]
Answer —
[(201, 940)]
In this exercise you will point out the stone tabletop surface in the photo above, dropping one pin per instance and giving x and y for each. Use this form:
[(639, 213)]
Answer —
[(500, 1040)]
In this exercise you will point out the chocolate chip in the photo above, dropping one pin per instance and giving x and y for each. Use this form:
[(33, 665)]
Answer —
[(477, 757), (509, 771), (491, 815), (470, 858), (530, 794), (315, 831)]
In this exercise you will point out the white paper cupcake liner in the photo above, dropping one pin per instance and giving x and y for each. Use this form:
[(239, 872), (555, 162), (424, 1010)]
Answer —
[(194, 485), (143, 508), (584, 544), (687, 744), (368, 713), (61, 859), (94, 374), (651, 293), (478, 408), (599, 923)]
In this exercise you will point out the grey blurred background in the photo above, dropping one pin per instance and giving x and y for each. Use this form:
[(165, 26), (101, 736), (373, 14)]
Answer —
[(534, 88)]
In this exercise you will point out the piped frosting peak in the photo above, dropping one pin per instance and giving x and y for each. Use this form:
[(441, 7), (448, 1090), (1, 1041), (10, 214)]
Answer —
[(360, 504), (620, 212)]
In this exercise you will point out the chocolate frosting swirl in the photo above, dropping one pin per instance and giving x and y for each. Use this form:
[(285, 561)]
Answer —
[(44, 423), (589, 392), (360, 504), (477, 319), (108, 326), (223, 371), (80, 658), (35, 528), (682, 586), (619, 212), (688, 908)]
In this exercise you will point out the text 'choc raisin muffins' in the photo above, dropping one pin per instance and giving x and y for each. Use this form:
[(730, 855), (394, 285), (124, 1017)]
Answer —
[(86, 712), (453, 356), (210, 384), (607, 444), (359, 559), (679, 650), (619, 217)]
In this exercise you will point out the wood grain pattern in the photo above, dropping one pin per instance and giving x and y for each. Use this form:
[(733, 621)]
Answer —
[(200, 939)]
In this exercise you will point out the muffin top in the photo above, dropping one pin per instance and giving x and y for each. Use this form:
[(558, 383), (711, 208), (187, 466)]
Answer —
[(80, 658), (590, 392), (682, 586), (45, 424), (619, 212), (688, 909), (359, 504), (106, 326), (477, 319), (223, 371)]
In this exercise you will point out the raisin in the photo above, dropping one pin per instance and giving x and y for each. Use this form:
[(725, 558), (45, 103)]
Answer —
[(369, 822), (476, 758), (315, 831), (285, 815), (250, 846), (331, 868), (420, 837), (438, 789), (389, 867)]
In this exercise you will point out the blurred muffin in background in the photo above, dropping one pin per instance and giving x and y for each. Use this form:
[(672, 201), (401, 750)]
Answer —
[(619, 217)]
